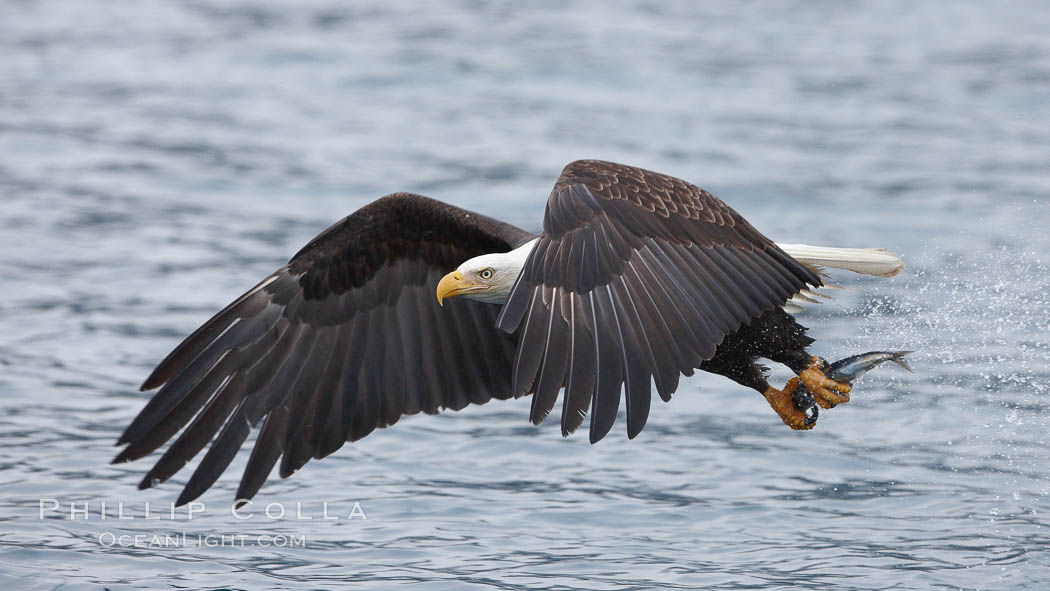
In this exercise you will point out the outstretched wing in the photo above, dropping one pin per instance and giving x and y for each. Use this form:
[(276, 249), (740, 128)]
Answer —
[(345, 338), (637, 278)]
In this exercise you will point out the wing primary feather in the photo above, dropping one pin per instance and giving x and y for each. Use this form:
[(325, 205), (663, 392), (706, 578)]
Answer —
[(456, 363), (691, 344), (530, 346), (183, 382), (587, 273), (796, 267), (471, 377), (219, 456), (636, 377), (609, 379), (411, 339), (333, 424), (387, 383), (304, 396), (639, 358), (278, 387), (689, 291), (703, 301), (339, 428), (514, 310), (488, 343), (194, 438), (517, 305), (555, 360), (720, 311), (765, 287), (365, 415), (391, 388), (190, 348), (430, 365), (710, 333), (782, 281), (264, 455), (665, 371), (160, 428), (327, 390), (580, 387), (622, 243), (663, 303), (747, 296), (721, 295)]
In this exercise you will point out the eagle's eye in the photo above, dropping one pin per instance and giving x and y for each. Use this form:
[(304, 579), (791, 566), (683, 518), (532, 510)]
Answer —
[(486, 273)]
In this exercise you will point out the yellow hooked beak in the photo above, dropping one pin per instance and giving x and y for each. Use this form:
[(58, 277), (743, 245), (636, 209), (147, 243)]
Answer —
[(452, 285)]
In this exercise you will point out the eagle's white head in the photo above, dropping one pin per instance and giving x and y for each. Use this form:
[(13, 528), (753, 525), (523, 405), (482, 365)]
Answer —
[(486, 278)]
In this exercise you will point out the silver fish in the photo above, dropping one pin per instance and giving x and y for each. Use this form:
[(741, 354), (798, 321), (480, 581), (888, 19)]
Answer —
[(851, 368)]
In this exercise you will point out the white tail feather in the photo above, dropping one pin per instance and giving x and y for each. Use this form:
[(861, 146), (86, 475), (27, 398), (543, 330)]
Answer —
[(870, 261)]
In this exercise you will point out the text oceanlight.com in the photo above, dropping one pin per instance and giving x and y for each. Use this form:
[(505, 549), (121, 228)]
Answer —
[(187, 540)]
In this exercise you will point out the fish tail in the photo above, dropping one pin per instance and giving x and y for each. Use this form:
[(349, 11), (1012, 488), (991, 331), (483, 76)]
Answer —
[(898, 358)]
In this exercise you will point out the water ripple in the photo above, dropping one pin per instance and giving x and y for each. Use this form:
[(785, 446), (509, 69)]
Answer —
[(156, 159)]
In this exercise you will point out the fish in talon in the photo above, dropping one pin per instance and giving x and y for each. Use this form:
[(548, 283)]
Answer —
[(852, 368)]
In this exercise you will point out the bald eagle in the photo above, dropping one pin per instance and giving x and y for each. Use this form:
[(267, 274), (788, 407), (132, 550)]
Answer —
[(637, 279)]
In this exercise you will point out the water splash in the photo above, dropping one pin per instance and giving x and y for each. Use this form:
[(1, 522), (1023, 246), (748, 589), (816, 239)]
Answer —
[(983, 320)]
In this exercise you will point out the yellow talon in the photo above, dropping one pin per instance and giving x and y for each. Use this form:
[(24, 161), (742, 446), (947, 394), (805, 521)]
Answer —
[(783, 403), (826, 391)]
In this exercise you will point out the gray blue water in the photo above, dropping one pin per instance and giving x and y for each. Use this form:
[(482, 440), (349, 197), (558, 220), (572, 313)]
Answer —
[(157, 159)]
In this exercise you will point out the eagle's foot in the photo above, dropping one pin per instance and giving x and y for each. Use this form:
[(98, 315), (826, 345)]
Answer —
[(795, 406), (826, 392)]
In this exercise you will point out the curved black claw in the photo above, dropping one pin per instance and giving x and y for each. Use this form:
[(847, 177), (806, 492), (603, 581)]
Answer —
[(804, 402)]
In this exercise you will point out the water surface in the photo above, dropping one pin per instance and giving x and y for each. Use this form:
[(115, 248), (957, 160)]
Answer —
[(157, 159)]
